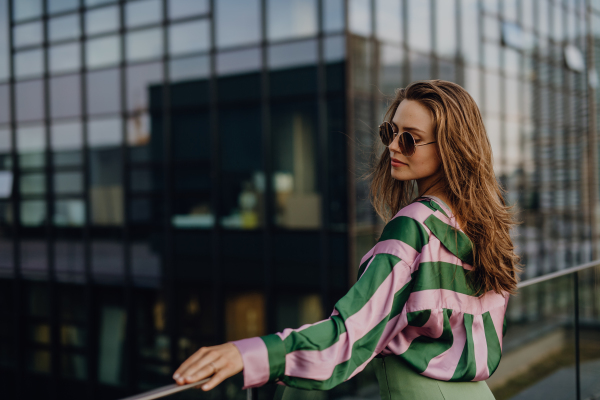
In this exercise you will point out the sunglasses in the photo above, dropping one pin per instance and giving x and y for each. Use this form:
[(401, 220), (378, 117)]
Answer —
[(406, 141)]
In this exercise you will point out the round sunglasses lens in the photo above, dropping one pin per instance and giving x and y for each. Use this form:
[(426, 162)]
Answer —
[(406, 144), (386, 133)]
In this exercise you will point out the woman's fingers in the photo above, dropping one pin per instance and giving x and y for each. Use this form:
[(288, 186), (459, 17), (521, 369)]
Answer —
[(187, 363), (202, 365), (207, 370), (217, 378)]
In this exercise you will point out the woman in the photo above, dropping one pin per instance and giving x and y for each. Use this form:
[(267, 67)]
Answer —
[(428, 309)]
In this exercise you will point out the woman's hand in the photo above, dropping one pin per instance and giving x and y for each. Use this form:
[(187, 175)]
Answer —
[(220, 361)]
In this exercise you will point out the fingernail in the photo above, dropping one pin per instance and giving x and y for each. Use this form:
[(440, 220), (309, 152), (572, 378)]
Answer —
[(205, 387), (175, 376)]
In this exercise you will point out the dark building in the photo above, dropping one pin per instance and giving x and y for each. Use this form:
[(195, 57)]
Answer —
[(179, 173)]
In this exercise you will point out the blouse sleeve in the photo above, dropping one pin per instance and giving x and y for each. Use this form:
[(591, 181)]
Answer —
[(322, 355)]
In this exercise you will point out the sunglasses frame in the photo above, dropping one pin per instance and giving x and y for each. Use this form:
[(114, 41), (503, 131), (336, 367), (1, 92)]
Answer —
[(400, 144)]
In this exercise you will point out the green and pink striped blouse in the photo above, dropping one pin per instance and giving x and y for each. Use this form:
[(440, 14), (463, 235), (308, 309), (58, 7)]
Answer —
[(411, 300)]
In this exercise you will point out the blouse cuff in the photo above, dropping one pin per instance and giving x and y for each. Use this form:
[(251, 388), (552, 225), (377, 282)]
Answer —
[(264, 359)]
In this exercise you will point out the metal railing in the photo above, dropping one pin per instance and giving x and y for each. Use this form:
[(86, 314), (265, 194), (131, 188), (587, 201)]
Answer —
[(252, 393)]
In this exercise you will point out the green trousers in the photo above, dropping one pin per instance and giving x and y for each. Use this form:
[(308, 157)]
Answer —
[(397, 381)]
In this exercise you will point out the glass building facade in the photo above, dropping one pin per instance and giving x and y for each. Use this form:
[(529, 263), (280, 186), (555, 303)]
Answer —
[(178, 173)]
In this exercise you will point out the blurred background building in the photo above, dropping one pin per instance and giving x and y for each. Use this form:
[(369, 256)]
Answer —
[(178, 173)]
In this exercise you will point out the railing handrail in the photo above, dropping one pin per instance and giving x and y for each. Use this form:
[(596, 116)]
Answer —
[(552, 275)]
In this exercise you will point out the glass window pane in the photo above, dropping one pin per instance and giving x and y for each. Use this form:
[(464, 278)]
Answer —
[(145, 44), (65, 58), (238, 22), (105, 19), (143, 12), (445, 26), (419, 25), (291, 18), (189, 37), (334, 48), (103, 91), (184, 68), (392, 60), (293, 54), (360, 16), (4, 104), (32, 184), (24, 9), (30, 100), (106, 185), (66, 27), (55, 6), (65, 96), (70, 182), (29, 63), (28, 34), (186, 8), (4, 42), (5, 141), (297, 198), (470, 32), (243, 179), (389, 22), (69, 213), (66, 136), (103, 51), (105, 132), (31, 139), (235, 62), (420, 67), (33, 213), (333, 15), (140, 78)]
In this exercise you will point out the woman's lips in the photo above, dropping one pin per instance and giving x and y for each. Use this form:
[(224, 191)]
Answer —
[(397, 163)]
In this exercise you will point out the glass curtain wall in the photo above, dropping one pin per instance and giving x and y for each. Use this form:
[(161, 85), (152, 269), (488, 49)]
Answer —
[(172, 175)]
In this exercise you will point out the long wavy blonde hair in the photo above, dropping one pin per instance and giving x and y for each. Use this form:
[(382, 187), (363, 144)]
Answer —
[(467, 177)]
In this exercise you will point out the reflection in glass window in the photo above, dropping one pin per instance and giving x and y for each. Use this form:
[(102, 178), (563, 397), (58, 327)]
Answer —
[(61, 28), (291, 18), (298, 310), (104, 132), (25, 9), (33, 213), (235, 62), (66, 136), (392, 59), (102, 20), (68, 182), (55, 6), (31, 139), (470, 30), (238, 22), (420, 67), (244, 316), (445, 26), (334, 48), (389, 23), (292, 54), (419, 25), (186, 68), (360, 17), (242, 190), (65, 58), (492, 94), (333, 15), (106, 180), (297, 197), (5, 141), (112, 318), (65, 96), (5, 109), (29, 63), (143, 12), (27, 34), (30, 100), (143, 45), (103, 51), (187, 8), (103, 91), (189, 37), (140, 78), (32, 184)]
